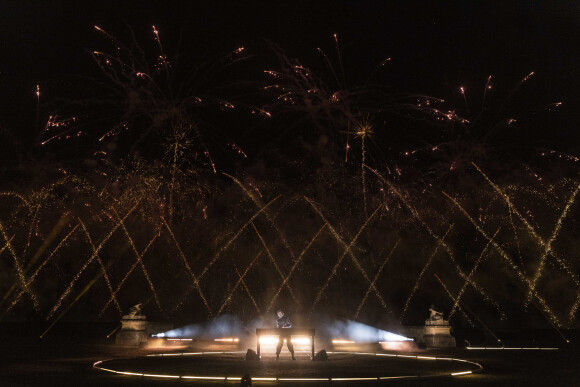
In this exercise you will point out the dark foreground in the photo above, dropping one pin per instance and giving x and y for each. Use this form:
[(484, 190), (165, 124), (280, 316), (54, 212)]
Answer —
[(66, 365), (26, 362)]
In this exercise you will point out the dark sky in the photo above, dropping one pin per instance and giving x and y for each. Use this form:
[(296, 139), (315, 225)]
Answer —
[(436, 45)]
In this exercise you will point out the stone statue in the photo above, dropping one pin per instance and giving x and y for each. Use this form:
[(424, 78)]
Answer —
[(133, 330), (436, 317), (135, 311), (438, 330)]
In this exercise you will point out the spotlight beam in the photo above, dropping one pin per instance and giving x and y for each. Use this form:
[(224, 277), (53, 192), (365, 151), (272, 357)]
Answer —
[(45, 243), (13, 284), (375, 279), (102, 266), (40, 267), (298, 260), (78, 297), (19, 269), (91, 258)]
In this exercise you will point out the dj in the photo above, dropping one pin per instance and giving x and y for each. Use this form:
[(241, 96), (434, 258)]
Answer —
[(284, 322)]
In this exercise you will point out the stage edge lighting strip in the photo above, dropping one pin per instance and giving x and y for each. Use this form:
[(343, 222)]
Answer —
[(512, 348), (98, 364)]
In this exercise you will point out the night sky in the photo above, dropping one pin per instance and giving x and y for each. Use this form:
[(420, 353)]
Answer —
[(436, 46), (207, 166)]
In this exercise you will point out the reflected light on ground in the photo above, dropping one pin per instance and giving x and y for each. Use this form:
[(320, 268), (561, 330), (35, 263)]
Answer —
[(266, 340)]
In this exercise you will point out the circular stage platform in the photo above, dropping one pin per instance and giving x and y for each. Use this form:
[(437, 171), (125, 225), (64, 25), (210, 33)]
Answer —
[(340, 367)]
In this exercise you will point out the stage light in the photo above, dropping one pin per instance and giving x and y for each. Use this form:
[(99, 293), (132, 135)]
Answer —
[(461, 373), (129, 373), (161, 376), (98, 364), (274, 340), (342, 341), (269, 340), (300, 340), (362, 333), (351, 379)]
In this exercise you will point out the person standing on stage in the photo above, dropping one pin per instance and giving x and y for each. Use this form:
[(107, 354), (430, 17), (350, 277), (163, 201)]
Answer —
[(283, 321)]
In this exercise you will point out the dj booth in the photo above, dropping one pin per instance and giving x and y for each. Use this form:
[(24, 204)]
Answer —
[(285, 332)]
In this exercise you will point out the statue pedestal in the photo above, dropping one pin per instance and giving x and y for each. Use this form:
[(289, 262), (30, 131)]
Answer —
[(438, 334), (133, 331)]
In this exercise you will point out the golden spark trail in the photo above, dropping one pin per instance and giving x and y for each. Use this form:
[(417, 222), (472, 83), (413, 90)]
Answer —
[(375, 279), (172, 185), (100, 262), (462, 89), (240, 279), (462, 311), (347, 250), (508, 260), (516, 237), (139, 260), (363, 177), (548, 245), (248, 291), (531, 229), (574, 309), (82, 293), (195, 281), (443, 243), (362, 130), (114, 294), (294, 267), (33, 276), (275, 264), (31, 228), (14, 284), (6, 244), (423, 271), (19, 269), (485, 89), (472, 273), (17, 196), (46, 241), (259, 203), (91, 258), (222, 249), (514, 90)]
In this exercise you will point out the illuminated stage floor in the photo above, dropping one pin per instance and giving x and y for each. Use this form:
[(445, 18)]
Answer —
[(340, 367), (65, 364)]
